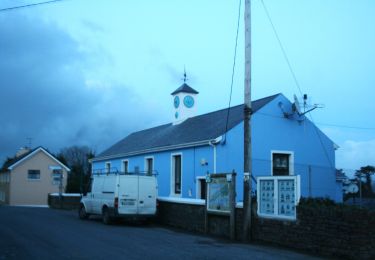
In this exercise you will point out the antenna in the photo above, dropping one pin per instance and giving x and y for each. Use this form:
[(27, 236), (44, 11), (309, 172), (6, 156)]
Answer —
[(306, 108)]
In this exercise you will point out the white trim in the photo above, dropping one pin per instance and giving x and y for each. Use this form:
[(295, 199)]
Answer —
[(182, 200), (198, 186), (172, 175), (123, 164), (34, 152), (291, 160), (146, 164)]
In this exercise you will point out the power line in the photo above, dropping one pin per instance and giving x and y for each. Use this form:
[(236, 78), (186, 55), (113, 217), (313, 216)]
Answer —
[(234, 64), (282, 48), (29, 5), (347, 126)]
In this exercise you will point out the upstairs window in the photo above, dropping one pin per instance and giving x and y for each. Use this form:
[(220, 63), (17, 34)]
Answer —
[(149, 165), (33, 175), (125, 166), (107, 167), (57, 175), (281, 164)]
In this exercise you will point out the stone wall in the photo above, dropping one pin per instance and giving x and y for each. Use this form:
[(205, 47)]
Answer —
[(324, 230), (67, 201)]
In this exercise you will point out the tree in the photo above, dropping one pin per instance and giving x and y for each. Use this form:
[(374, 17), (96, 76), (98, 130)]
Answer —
[(77, 159), (366, 172)]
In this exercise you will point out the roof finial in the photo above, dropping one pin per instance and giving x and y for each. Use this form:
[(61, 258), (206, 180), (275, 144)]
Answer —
[(185, 79)]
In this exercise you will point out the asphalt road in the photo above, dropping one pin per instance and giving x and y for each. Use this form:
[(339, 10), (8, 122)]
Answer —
[(42, 233)]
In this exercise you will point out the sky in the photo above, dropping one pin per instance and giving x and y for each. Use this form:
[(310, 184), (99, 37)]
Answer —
[(89, 72)]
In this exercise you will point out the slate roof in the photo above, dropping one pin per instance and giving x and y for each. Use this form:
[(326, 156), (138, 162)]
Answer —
[(196, 129), (185, 88)]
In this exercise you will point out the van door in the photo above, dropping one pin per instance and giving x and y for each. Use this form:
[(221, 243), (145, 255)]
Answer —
[(128, 194), (147, 195)]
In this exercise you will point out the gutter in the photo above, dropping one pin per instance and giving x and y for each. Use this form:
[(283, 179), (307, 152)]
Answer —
[(159, 149)]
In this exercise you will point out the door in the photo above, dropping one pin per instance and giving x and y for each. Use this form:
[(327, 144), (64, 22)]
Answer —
[(128, 194), (147, 193), (137, 194)]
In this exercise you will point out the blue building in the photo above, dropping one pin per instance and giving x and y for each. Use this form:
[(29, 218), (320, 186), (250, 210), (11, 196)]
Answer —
[(284, 143)]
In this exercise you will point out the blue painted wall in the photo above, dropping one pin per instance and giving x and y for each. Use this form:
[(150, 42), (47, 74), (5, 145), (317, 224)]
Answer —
[(313, 152)]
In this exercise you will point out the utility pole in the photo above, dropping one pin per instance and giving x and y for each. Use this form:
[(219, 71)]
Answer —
[(247, 127)]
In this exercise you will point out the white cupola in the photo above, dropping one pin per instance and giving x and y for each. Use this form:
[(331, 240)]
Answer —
[(184, 103)]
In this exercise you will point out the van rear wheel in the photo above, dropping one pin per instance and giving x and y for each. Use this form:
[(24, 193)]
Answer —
[(106, 217)]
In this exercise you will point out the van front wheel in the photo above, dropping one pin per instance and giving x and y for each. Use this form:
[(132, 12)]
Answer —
[(82, 212), (106, 217)]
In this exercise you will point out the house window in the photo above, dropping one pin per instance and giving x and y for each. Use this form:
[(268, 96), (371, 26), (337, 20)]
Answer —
[(176, 174), (125, 166), (149, 165), (56, 176), (278, 196), (107, 167), (33, 175), (282, 163)]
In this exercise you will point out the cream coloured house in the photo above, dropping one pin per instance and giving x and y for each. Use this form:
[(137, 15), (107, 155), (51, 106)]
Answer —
[(30, 176)]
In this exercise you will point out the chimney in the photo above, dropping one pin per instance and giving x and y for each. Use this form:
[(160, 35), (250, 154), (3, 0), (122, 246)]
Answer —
[(22, 151)]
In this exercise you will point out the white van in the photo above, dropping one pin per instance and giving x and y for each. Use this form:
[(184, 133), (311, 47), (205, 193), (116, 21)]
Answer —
[(120, 195)]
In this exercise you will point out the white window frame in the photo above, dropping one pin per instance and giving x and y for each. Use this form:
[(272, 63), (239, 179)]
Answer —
[(57, 176), (291, 160), (123, 165), (275, 179), (172, 183), (198, 186), (108, 169), (32, 179), (146, 164)]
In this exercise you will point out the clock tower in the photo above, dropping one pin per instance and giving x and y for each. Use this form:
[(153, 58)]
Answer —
[(184, 103)]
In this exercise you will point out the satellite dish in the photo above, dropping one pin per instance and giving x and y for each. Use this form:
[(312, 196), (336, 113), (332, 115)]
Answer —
[(296, 105)]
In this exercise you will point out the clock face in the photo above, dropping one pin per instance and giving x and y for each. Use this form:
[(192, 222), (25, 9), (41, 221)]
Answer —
[(176, 101), (189, 101)]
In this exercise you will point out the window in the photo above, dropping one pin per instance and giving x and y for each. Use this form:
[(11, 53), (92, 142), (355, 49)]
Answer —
[(4, 177), (176, 174), (107, 167), (278, 196), (33, 175), (2, 196), (149, 167), (282, 163), (56, 176), (125, 166)]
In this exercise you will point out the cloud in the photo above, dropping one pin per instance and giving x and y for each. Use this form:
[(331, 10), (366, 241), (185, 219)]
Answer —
[(47, 95), (354, 154)]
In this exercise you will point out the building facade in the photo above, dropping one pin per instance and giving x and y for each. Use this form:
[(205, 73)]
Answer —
[(30, 176), (284, 143)]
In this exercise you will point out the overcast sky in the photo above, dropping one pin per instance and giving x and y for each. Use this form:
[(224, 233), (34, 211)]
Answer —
[(89, 72)]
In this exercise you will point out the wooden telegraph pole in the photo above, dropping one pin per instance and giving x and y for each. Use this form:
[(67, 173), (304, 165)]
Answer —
[(247, 127)]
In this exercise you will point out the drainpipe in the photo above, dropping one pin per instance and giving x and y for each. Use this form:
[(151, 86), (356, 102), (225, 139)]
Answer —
[(213, 144)]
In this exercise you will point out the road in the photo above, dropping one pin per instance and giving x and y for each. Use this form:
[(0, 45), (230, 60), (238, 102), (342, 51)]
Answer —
[(42, 233)]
